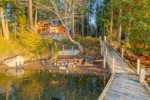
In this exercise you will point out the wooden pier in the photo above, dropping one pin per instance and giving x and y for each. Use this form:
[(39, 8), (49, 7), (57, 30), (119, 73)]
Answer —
[(126, 83)]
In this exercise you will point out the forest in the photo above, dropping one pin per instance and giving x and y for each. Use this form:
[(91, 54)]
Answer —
[(124, 21)]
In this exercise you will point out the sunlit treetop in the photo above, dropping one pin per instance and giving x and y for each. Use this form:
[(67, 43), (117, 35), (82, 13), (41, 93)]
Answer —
[(5, 1)]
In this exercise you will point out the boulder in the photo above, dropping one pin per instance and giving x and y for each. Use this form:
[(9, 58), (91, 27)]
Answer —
[(14, 61)]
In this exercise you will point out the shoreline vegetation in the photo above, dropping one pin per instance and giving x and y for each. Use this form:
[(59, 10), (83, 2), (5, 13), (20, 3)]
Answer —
[(50, 54)]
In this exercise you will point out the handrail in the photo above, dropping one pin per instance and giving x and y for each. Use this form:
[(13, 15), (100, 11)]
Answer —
[(104, 51), (122, 49)]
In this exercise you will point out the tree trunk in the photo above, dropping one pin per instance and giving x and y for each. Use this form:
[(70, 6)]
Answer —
[(127, 34), (111, 18), (6, 23), (68, 35), (73, 22), (30, 15), (120, 26), (82, 25), (35, 20), (4, 29)]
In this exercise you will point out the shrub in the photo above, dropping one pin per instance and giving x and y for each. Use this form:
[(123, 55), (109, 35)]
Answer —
[(34, 43), (9, 47), (66, 41), (78, 38)]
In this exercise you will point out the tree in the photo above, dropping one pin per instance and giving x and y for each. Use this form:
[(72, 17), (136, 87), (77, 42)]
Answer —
[(120, 26), (5, 29), (131, 18), (30, 17), (65, 12)]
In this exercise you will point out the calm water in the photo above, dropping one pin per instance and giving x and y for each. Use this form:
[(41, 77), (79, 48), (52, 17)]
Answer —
[(42, 85)]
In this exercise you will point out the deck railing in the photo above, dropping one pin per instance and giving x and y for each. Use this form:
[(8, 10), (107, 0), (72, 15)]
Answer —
[(122, 51), (105, 52)]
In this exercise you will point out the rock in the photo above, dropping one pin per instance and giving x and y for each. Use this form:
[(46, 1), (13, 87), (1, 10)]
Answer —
[(14, 61), (50, 71), (73, 66), (55, 63), (62, 67), (148, 72), (15, 72), (67, 71)]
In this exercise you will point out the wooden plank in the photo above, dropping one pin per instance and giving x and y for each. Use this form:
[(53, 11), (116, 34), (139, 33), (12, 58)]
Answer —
[(125, 85), (106, 88), (130, 93), (116, 96)]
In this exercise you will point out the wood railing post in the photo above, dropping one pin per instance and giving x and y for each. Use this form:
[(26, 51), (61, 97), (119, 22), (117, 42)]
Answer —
[(101, 51), (101, 44), (138, 65), (102, 48), (142, 75), (122, 52), (104, 61), (63, 50), (72, 50), (104, 38), (113, 64), (106, 51)]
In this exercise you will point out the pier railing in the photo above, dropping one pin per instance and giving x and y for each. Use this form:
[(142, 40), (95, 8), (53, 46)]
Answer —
[(67, 49), (106, 53), (110, 59), (125, 53)]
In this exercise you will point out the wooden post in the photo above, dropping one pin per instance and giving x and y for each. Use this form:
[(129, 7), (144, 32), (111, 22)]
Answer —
[(138, 65), (113, 64), (122, 52), (104, 61), (72, 51), (106, 51), (63, 50), (104, 38), (102, 48), (142, 75)]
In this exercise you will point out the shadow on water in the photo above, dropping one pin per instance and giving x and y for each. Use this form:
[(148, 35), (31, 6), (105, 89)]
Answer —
[(42, 85)]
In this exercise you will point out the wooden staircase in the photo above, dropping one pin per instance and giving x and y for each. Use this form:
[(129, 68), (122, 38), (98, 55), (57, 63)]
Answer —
[(89, 59)]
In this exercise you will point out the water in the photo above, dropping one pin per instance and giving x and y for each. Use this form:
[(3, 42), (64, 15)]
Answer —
[(43, 85)]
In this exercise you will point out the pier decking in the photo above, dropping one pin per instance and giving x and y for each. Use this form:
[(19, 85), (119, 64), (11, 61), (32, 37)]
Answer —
[(124, 83)]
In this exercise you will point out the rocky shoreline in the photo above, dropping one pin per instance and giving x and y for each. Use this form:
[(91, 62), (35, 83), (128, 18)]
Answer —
[(96, 69)]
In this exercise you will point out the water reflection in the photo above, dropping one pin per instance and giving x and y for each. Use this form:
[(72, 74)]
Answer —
[(15, 72), (42, 85)]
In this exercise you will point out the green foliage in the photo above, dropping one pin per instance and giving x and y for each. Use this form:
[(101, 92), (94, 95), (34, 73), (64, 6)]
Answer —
[(5, 1), (134, 20), (23, 26), (90, 44), (77, 38), (66, 41), (147, 40), (34, 43), (55, 51), (9, 47)]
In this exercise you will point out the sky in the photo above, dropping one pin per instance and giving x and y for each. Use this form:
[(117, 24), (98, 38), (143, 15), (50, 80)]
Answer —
[(93, 17)]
